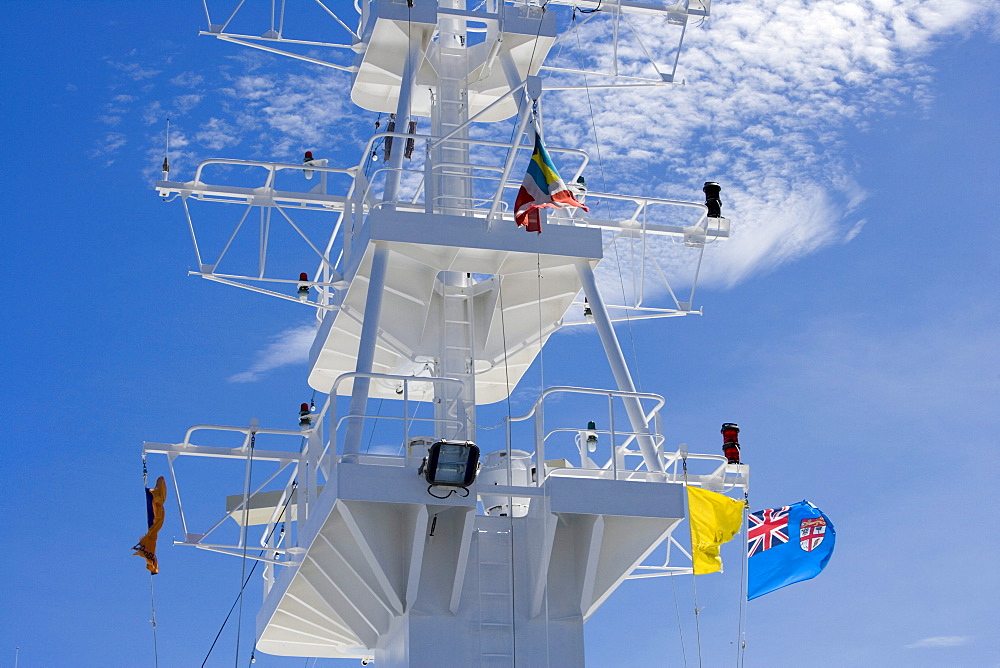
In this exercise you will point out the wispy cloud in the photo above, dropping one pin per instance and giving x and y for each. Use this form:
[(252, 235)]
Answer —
[(134, 70), (940, 641), (108, 144), (286, 348), (188, 79), (773, 86)]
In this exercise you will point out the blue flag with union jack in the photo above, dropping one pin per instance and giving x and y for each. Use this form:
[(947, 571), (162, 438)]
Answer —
[(786, 545)]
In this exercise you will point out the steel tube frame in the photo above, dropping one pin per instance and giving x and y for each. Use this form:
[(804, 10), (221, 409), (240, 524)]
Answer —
[(619, 367), (366, 349)]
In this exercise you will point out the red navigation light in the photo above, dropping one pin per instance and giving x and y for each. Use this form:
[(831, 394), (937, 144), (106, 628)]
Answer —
[(730, 443), (305, 418), (303, 276), (309, 156)]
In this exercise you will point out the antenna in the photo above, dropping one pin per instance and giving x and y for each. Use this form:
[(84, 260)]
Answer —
[(166, 152)]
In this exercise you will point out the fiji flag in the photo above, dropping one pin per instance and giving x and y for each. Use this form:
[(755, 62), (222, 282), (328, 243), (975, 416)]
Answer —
[(787, 545), (542, 187)]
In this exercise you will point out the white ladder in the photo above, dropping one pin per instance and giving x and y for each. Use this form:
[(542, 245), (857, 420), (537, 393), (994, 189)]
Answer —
[(496, 596)]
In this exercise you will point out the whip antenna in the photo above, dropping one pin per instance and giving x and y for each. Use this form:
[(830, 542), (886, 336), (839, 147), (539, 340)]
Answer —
[(166, 152)]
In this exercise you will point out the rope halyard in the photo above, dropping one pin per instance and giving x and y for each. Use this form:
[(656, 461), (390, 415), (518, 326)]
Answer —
[(152, 620), (741, 638), (680, 629), (152, 599), (246, 580), (694, 578), (539, 471), (246, 523), (604, 181)]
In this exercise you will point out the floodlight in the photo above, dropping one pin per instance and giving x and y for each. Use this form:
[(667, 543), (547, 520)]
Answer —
[(452, 463)]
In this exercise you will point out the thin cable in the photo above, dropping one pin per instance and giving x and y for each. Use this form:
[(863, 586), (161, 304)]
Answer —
[(239, 596), (694, 578), (246, 524), (378, 412), (741, 632), (539, 471), (152, 603), (152, 609), (538, 289), (680, 629), (604, 182)]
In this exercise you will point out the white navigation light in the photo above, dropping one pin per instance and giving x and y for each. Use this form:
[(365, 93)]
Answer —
[(452, 463), (591, 436)]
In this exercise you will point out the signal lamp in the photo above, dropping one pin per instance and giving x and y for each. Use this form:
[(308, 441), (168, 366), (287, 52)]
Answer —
[(730, 443), (305, 419), (591, 436), (712, 191), (303, 287)]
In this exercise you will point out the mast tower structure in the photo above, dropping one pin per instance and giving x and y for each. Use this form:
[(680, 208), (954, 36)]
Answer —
[(427, 293)]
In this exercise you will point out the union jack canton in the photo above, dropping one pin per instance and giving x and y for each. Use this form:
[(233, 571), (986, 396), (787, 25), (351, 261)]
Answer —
[(768, 528)]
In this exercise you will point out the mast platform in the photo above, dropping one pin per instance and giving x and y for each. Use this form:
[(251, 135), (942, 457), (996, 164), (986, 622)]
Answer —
[(428, 295), (387, 566), (533, 277)]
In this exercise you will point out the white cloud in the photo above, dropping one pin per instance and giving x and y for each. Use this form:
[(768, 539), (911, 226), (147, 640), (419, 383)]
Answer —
[(289, 114), (185, 103), (771, 88), (187, 79), (216, 134), (108, 144), (153, 113), (135, 71), (288, 347), (940, 641)]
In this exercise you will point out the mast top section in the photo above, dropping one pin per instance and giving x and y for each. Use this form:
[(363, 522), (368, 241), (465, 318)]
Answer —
[(500, 44)]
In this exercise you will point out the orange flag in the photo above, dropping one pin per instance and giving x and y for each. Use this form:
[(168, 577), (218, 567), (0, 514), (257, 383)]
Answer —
[(154, 516)]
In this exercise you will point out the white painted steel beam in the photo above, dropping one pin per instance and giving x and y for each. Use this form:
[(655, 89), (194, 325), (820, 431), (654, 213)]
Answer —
[(619, 367), (366, 348)]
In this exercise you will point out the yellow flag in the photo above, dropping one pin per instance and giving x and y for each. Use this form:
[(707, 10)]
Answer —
[(714, 519), (146, 547)]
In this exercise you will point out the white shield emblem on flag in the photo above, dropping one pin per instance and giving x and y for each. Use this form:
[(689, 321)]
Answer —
[(812, 530)]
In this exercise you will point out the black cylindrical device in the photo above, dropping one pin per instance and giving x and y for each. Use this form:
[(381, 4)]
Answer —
[(712, 192), (731, 442)]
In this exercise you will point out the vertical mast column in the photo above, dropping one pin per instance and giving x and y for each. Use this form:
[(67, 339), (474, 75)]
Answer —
[(454, 407), (413, 55), (366, 350), (380, 261), (633, 407), (452, 188)]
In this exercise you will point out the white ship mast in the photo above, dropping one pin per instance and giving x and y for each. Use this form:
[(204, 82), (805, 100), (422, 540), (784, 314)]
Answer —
[(428, 294)]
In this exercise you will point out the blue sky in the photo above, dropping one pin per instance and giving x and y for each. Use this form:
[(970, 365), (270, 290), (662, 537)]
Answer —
[(850, 326)]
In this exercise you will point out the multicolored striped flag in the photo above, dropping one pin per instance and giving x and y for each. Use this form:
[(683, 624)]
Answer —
[(542, 187)]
